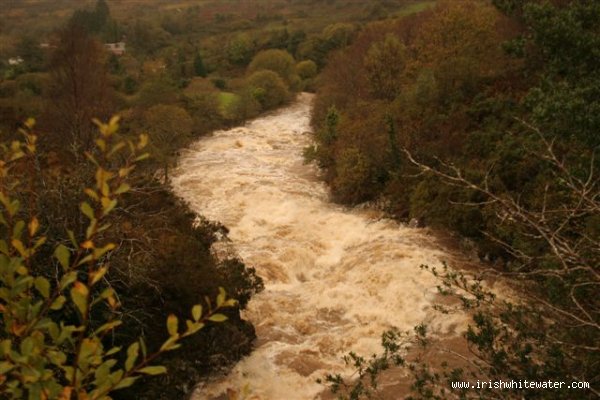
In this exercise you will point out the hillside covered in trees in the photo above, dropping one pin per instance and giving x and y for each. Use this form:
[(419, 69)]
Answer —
[(481, 118)]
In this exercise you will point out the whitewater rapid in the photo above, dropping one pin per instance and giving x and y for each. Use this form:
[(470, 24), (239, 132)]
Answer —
[(335, 278)]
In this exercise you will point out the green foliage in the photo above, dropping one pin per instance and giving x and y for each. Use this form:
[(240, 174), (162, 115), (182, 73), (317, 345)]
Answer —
[(278, 61), (354, 176), (169, 127), (322, 151), (384, 64), (199, 68), (498, 147), (338, 35), (306, 69), (239, 50), (268, 88), (50, 346), (565, 103), (157, 91), (366, 384)]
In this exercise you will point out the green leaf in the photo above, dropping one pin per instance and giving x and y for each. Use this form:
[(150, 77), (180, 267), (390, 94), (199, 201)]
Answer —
[(58, 303), (123, 188), (18, 229), (79, 294), (3, 247), (143, 347), (155, 370), (98, 274), (108, 326), (102, 372), (172, 323), (113, 351), (126, 382), (221, 297), (5, 366), (142, 157), (63, 256), (217, 318), (87, 210), (67, 279), (71, 235), (132, 354), (17, 244), (13, 207), (108, 205), (43, 286), (197, 312), (170, 344)]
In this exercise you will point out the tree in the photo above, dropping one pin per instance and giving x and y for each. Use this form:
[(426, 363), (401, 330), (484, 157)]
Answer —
[(565, 42), (384, 63), (29, 50), (353, 176), (93, 21), (461, 44), (338, 35), (278, 61), (78, 90), (169, 127), (268, 88), (50, 346), (239, 49), (159, 90), (199, 68), (306, 69)]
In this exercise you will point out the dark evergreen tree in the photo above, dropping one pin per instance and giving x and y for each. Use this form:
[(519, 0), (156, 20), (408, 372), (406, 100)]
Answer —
[(199, 68)]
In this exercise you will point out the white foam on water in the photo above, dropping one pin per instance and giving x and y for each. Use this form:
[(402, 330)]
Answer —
[(335, 278)]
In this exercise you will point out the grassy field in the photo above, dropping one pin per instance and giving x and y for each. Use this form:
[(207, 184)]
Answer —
[(226, 101)]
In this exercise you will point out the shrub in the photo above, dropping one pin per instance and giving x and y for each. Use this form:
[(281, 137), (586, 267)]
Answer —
[(58, 313), (306, 69), (279, 61), (267, 88)]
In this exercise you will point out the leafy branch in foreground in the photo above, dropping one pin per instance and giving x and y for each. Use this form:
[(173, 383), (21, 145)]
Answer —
[(49, 346), (364, 382)]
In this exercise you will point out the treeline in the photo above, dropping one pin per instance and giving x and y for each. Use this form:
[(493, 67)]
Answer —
[(482, 119)]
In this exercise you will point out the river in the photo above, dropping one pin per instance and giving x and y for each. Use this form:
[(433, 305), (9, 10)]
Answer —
[(335, 278)]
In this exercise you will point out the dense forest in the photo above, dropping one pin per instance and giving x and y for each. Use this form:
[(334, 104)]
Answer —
[(482, 118), (475, 117)]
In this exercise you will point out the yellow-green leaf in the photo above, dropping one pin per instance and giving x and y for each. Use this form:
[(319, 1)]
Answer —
[(79, 294), (132, 354), (197, 312), (172, 324), (126, 382), (221, 297), (58, 303), (34, 225), (18, 245), (123, 188), (43, 286), (98, 274), (155, 370), (108, 205), (217, 318), (87, 210), (63, 255)]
